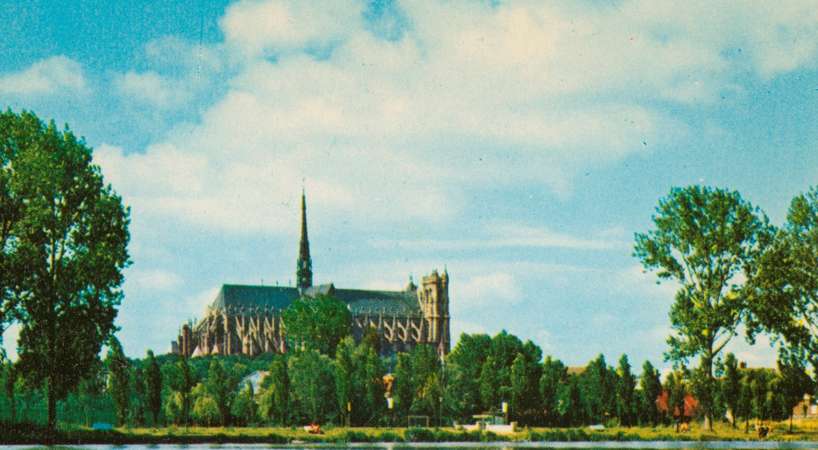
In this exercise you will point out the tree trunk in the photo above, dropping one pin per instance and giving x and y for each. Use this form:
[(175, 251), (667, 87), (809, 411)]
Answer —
[(746, 425), (708, 422), (790, 422), (52, 410)]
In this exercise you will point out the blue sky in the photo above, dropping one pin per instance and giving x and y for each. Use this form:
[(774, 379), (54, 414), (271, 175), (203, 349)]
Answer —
[(518, 144)]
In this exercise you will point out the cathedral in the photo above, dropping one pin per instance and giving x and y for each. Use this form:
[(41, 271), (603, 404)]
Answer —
[(246, 319)]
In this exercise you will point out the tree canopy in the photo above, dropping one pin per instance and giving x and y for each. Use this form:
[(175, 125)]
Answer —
[(63, 246), (704, 239), (317, 323)]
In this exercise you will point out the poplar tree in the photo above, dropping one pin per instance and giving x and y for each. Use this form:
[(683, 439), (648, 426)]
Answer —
[(731, 386), (153, 385), (118, 380), (650, 388), (625, 385), (70, 236), (704, 239)]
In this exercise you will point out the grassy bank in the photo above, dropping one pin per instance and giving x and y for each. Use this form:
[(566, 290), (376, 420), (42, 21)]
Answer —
[(27, 434)]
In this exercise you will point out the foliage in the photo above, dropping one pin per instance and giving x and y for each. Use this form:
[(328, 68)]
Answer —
[(625, 385), (220, 388), (315, 385), (704, 239), (785, 286), (118, 380), (275, 400), (463, 367), (731, 386), (554, 374), (317, 323), (244, 408), (70, 236), (650, 387), (153, 387)]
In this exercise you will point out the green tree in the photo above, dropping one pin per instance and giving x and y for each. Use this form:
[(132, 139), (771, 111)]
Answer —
[(704, 239), (140, 400), (181, 380), (463, 366), (759, 387), (317, 323), (625, 386), (9, 380), (489, 384), (16, 132), (346, 383), (70, 247), (220, 388), (205, 407), (277, 391), (554, 374), (153, 387), (650, 387), (244, 407), (745, 400), (794, 383), (731, 386), (526, 372), (403, 391), (118, 380), (598, 385), (569, 402), (785, 286), (314, 393), (676, 388)]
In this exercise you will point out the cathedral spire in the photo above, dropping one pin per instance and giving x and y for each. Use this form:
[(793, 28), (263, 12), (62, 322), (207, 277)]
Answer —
[(303, 274)]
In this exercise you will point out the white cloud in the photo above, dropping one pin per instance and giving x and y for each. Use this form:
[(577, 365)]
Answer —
[(152, 89), (405, 131), (254, 27), (509, 235), (152, 280), (485, 289), (58, 75)]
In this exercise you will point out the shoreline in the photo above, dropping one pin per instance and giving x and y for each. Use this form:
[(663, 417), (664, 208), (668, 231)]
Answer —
[(636, 437)]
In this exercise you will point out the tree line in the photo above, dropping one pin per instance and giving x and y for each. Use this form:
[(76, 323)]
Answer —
[(350, 388)]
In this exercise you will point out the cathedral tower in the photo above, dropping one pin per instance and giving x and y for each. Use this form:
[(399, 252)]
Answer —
[(303, 273), (433, 296)]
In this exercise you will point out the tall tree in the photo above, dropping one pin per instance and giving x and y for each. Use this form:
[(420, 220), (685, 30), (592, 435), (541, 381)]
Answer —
[(463, 367), (704, 239), (598, 383), (153, 387), (676, 392), (731, 386), (16, 132), (346, 382), (794, 383), (119, 374), (314, 393), (9, 380), (140, 400), (280, 390), (317, 323), (70, 247), (220, 388), (244, 408), (554, 374), (182, 381), (650, 388), (625, 403), (785, 286), (745, 399)]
